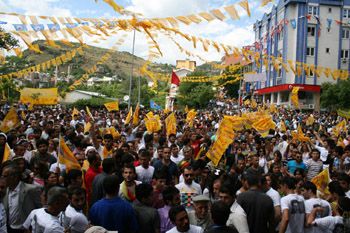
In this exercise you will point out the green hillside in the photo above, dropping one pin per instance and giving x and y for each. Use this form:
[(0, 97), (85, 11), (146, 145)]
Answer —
[(119, 64)]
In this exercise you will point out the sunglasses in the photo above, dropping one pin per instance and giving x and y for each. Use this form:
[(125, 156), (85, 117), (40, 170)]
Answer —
[(188, 175)]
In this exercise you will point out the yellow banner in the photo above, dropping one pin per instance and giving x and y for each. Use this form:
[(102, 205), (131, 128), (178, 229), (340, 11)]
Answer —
[(39, 96)]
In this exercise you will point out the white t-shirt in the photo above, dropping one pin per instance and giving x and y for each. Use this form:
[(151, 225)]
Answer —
[(66, 217), (275, 196), (327, 224), (177, 159), (317, 202), (3, 228), (41, 221), (238, 218), (294, 203), (144, 175), (193, 229)]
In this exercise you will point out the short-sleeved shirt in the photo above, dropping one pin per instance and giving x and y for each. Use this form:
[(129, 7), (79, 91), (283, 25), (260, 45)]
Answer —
[(114, 215), (41, 221), (187, 192), (293, 165), (327, 224), (259, 209), (317, 202), (294, 203), (275, 196), (144, 175), (171, 168)]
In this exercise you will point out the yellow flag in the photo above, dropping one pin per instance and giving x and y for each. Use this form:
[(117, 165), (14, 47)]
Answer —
[(253, 103), (89, 113), (245, 5), (10, 121), (231, 10), (263, 125), (152, 123), (7, 153), (114, 132), (75, 112), (170, 124), (322, 180), (186, 109), (128, 117), (299, 135), (294, 97), (310, 120), (23, 115), (87, 127), (135, 118), (112, 106), (283, 127), (66, 156), (344, 113), (340, 127), (273, 108), (190, 117)]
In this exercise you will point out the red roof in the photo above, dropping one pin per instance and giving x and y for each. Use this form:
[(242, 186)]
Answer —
[(233, 60), (288, 87)]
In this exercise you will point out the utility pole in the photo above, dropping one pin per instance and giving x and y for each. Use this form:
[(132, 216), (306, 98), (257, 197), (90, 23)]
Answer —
[(132, 68)]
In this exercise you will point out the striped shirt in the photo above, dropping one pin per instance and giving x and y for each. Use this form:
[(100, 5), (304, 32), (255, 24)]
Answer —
[(313, 168)]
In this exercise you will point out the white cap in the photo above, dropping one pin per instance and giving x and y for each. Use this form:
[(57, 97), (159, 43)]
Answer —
[(98, 229)]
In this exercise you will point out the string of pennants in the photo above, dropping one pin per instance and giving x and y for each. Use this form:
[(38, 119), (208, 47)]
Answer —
[(278, 29), (59, 60), (105, 57)]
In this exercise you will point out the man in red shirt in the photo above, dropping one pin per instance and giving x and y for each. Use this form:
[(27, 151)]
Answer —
[(94, 169)]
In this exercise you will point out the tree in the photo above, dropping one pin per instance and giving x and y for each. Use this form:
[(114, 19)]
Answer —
[(8, 89), (195, 95), (232, 73), (7, 41), (335, 96)]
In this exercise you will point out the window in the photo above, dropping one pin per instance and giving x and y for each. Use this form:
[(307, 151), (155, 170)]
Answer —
[(311, 31), (327, 50), (346, 13), (280, 36), (312, 10), (311, 74), (345, 54), (329, 10), (346, 33), (310, 51)]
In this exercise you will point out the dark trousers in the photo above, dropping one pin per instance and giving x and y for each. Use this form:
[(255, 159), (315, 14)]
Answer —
[(10, 230)]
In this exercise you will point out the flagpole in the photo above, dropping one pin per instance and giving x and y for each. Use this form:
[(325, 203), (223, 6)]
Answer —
[(139, 94), (132, 68)]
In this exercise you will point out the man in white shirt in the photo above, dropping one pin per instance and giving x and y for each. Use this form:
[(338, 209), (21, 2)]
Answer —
[(293, 208), (175, 156), (282, 146), (275, 196), (77, 198), (309, 191), (331, 224), (179, 218), (238, 217), (144, 171), (46, 219), (188, 189)]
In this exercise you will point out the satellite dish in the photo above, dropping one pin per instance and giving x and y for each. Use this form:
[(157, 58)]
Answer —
[(126, 98)]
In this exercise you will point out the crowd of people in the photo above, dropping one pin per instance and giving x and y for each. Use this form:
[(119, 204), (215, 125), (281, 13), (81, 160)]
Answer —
[(131, 180)]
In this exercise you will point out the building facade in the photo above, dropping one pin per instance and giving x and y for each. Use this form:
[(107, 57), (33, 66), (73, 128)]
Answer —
[(316, 32)]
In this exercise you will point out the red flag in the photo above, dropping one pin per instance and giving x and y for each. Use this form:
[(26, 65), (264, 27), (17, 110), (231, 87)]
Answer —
[(175, 79)]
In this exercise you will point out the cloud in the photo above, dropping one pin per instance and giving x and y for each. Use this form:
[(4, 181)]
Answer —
[(39, 7)]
